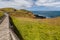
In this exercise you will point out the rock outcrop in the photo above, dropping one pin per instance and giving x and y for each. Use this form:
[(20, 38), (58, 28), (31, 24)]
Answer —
[(39, 17)]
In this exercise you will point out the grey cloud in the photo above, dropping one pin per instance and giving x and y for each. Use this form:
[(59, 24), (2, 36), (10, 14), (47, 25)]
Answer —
[(16, 3)]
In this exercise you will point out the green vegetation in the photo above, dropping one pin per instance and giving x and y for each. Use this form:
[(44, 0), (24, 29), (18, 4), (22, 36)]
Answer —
[(22, 13), (7, 9), (1, 14), (18, 13), (35, 29)]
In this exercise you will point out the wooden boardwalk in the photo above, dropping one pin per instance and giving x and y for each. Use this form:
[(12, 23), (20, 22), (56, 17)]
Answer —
[(5, 32)]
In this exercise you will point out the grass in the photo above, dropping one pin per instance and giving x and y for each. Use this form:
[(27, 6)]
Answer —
[(1, 14), (38, 29)]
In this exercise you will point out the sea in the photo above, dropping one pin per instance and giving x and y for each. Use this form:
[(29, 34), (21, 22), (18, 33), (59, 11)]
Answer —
[(47, 14)]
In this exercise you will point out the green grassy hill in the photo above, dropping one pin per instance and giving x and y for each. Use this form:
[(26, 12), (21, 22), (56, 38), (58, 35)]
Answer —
[(7, 9), (38, 29), (23, 13), (18, 13)]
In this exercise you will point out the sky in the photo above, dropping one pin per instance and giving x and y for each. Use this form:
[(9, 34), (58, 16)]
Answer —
[(33, 5)]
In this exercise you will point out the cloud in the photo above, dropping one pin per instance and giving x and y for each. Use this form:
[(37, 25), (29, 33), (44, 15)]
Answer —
[(16, 3), (24, 4), (50, 3)]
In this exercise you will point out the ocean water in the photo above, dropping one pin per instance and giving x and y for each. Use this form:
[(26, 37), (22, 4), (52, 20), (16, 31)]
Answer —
[(47, 14)]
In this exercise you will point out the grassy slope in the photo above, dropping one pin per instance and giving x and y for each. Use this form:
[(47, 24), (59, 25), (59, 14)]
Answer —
[(1, 14), (42, 29)]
